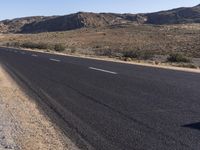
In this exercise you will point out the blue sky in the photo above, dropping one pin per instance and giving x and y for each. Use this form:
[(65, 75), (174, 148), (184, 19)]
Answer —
[(20, 8)]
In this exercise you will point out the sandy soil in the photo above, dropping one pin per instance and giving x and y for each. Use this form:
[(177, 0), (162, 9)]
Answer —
[(22, 125)]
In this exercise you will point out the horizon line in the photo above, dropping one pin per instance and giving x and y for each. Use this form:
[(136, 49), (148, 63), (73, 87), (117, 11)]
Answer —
[(99, 12)]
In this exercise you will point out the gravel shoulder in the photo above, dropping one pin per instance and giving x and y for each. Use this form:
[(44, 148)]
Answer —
[(22, 124)]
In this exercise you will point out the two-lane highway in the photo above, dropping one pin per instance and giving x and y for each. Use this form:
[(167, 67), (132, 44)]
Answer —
[(113, 105)]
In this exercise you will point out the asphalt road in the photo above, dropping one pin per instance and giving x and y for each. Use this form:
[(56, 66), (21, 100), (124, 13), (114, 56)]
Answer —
[(114, 106)]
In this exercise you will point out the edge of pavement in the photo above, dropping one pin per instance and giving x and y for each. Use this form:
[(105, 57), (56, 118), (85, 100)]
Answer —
[(145, 64)]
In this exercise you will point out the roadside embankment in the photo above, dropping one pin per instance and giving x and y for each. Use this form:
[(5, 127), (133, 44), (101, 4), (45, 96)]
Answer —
[(22, 125)]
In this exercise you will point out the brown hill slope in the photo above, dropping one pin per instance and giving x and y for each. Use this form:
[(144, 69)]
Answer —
[(15, 25), (175, 16), (81, 19)]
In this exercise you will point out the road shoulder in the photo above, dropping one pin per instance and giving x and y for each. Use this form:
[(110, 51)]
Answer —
[(22, 124)]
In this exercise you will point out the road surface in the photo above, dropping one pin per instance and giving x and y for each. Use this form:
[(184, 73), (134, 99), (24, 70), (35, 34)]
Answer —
[(110, 106)]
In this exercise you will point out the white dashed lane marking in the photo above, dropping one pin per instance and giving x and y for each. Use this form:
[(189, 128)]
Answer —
[(33, 55), (102, 70), (56, 60)]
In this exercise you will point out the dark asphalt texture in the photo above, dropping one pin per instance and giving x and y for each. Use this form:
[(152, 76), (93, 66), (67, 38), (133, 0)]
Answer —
[(134, 108)]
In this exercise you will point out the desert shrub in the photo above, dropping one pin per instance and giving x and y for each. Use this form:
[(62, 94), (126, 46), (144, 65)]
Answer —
[(130, 54), (13, 44), (97, 46), (7, 44), (35, 45), (188, 66), (146, 55), (176, 57), (104, 52), (28, 45), (59, 47), (16, 44), (138, 54), (73, 50), (127, 59), (43, 46)]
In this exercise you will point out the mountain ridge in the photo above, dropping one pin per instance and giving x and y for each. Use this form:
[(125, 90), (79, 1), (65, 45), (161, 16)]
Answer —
[(78, 20)]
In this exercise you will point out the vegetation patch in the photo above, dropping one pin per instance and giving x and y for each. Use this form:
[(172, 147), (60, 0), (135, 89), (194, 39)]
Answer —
[(59, 47), (138, 55), (188, 66), (35, 45), (13, 44), (177, 57)]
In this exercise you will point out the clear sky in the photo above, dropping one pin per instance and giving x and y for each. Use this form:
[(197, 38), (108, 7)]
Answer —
[(20, 8)]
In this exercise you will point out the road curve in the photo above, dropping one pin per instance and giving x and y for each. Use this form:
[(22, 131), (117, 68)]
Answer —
[(111, 106)]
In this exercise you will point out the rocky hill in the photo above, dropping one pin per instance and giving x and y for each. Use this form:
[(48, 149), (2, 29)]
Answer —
[(175, 16), (17, 24), (82, 19), (67, 22), (74, 21)]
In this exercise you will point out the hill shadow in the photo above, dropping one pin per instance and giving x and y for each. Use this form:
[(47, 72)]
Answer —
[(53, 24)]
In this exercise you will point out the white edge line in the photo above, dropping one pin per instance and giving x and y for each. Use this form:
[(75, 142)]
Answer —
[(102, 70), (56, 60)]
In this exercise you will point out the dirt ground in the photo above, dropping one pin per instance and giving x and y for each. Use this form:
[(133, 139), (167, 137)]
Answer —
[(22, 125), (126, 42), (159, 40)]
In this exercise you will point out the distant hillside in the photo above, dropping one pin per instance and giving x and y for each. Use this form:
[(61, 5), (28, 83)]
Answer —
[(76, 21), (17, 24), (81, 19), (175, 16), (67, 22)]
